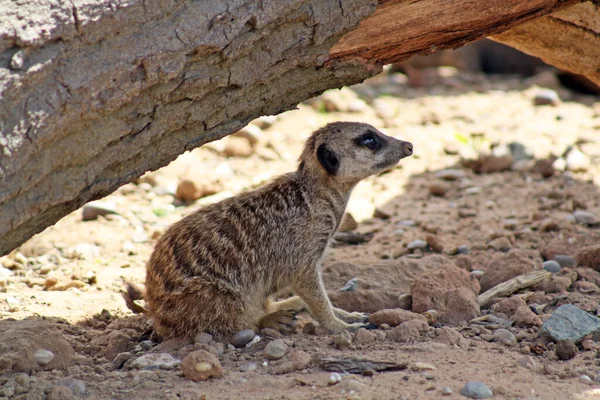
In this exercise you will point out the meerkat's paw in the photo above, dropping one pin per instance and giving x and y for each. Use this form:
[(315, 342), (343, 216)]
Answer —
[(356, 326), (283, 321), (356, 317)]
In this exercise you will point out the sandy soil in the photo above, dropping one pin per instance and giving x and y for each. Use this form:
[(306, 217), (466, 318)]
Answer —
[(61, 291)]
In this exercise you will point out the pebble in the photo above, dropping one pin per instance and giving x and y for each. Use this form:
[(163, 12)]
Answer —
[(446, 391), (94, 209), (407, 223), (577, 161), (155, 361), (572, 323), (551, 266), (200, 365), (421, 366), (417, 244), (585, 378), (43, 356), (350, 286), (275, 349), (203, 337), (60, 392), (505, 336), (434, 244), (510, 224), (463, 249), (238, 147), (364, 336), (585, 217), (477, 273), (476, 390), (242, 338), (565, 261), (546, 97), (334, 378), (251, 366), (565, 350), (450, 174), (13, 303), (439, 189), (121, 359), (348, 223), (500, 244), (77, 386), (342, 340)]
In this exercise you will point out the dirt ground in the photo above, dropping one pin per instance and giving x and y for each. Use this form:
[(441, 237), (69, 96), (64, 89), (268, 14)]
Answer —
[(61, 291)]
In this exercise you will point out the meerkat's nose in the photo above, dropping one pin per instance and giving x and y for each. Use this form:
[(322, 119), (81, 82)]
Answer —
[(407, 147)]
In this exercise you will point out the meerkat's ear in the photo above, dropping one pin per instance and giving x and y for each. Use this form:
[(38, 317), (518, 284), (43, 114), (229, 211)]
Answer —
[(328, 159)]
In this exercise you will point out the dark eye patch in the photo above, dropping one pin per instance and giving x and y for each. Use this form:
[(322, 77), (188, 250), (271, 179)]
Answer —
[(369, 140)]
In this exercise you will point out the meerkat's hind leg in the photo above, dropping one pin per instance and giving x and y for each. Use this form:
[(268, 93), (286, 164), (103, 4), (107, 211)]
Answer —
[(297, 304), (283, 321)]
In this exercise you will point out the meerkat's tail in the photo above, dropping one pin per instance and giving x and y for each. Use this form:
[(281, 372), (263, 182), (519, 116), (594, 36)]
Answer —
[(134, 297)]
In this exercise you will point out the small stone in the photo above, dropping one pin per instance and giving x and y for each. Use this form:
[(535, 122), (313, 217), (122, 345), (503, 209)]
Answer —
[(189, 190), (350, 286), (565, 261), (585, 378), (569, 322), (510, 224), (585, 217), (275, 349), (60, 392), (334, 378), (528, 362), (297, 360), (546, 97), (364, 336), (381, 213), (417, 244), (154, 361), (309, 328), (121, 359), (446, 391), (476, 390), (565, 350), (342, 340), (577, 161), (394, 317), (500, 244), (439, 189), (251, 133), (43, 356), (242, 338), (408, 223), (551, 266), (450, 174), (434, 244), (348, 223), (477, 273), (505, 336), (203, 337), (200, 365), (17, 60), (525, 318), (13, 303), (462, 249), (466, 213), (408, 331), (251, 366), (589, 256), (238, 147), (77, 386), (94, 209), (421, 366)]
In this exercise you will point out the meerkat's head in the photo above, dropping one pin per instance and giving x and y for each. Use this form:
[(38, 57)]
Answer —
[(352, 151)]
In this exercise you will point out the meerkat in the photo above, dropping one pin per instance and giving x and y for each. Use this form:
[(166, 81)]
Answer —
[(218, 269)]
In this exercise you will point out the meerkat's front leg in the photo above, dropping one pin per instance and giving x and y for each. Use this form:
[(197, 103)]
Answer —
[(297, 304), (310, 288)]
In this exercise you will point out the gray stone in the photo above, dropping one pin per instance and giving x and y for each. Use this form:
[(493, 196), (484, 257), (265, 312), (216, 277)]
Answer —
[(203, 337), (120, 359), (505, 336), (77, 386), (565, 260), (569, 322), (242, 338), (350, 286), (94, 209), (446, 391), (476, 390), (43, 356), (463, 249), (250, 366), (275, 349), (585, 217), (407, 223), (155, 361), (551, 266), (417, 244), (544, 97)]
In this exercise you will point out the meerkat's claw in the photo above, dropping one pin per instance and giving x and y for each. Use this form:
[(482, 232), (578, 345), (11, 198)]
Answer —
[(371, 327), (283, 321), (357, 317), (356, 326)]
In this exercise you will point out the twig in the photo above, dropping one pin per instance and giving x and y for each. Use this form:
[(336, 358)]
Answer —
[(512, 285)]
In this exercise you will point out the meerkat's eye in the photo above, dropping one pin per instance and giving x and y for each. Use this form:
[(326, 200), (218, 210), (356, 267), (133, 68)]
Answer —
[(369, 140)]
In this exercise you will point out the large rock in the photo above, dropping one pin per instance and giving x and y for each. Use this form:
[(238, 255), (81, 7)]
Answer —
[(503, 267), (569, 322), (429, 290)]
